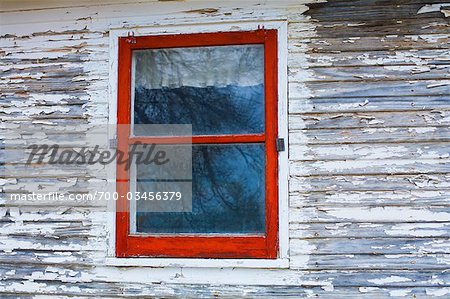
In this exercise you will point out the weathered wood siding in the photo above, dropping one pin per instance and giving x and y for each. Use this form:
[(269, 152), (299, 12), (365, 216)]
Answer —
[(369, 145)]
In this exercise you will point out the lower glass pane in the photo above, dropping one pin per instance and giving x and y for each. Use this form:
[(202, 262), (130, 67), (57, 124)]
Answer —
[(228, 183)]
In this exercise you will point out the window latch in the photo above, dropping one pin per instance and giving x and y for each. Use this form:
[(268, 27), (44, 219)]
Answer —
[(280, 145), (113, 143)]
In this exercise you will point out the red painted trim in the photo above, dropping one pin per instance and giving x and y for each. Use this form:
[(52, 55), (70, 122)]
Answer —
[(200, 139), (200, 246), (271, 94), (123, 131), (198, 40)]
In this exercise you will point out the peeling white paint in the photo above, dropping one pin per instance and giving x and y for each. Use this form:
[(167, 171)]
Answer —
[(388, 214), (438, 293), (390, 279), (422, 130), (434, 8), (367, 289), (411, 229), (400, 293)]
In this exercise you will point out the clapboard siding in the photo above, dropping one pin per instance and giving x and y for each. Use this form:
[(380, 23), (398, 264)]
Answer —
[(400, 151), (423, 118), (383, 182), (370, 135), (369, 150), (385, 59), (369, 104), (418, 230), (369, 198), (369, 141)]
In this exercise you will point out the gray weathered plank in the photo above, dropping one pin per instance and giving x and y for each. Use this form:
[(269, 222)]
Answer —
[(370, 73), (369, 104), (422, 182), (383, 58), (418, 262), (369, 89), (365, 214), (370, 246), (326, 152), (420, 198), (370, 135), (361, 167), (425, 230), (370, 120), (350, 28)]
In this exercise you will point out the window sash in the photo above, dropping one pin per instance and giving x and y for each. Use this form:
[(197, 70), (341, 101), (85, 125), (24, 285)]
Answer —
[(201, 246)]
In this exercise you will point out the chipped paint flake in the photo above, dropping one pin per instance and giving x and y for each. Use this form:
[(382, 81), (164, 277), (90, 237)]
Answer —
[(439, 292), (400, 293), (434, 8), (389, 280)]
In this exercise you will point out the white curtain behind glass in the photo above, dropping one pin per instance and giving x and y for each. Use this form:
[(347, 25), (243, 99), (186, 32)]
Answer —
[(219, 66)]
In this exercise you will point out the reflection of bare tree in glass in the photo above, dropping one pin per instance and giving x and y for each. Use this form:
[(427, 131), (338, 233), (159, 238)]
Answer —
[(228, 194), (228, 183), (210, 110)]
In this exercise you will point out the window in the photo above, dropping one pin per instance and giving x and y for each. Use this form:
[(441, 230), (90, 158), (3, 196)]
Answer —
[(224, 85)]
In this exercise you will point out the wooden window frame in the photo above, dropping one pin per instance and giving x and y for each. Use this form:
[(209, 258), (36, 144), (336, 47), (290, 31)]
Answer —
[(200, 245)]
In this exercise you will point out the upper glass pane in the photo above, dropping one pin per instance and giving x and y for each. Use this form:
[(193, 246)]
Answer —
[(219, 90)]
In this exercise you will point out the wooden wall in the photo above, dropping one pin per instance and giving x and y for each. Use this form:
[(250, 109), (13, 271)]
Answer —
[(369, 115), (369, 122)]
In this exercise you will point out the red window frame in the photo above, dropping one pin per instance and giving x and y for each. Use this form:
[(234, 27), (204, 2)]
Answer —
[(200, 246)]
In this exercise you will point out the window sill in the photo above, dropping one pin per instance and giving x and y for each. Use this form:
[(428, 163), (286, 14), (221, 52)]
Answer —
[(198, 263)]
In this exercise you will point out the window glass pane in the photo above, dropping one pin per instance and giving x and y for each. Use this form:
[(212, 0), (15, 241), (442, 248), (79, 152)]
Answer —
[(227, 193), (219, 90)]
